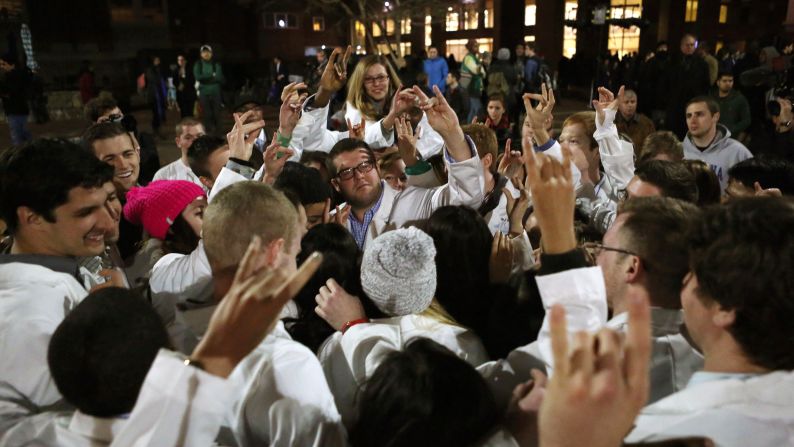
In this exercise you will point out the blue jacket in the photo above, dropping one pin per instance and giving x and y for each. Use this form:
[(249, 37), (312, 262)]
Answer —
[(436, 71)]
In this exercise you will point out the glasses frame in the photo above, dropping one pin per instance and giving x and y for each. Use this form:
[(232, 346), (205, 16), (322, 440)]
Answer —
[(376, 79), (349, 173), (596, 248)]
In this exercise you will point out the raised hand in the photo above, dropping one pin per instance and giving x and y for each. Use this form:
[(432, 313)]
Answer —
[(250, 309), (443, 120), (291, 108), (336, 306), (406, 141), (606, 101), (340, 215), (402, 101), (334, 76), (553, 196), (516, 208), (242, 136), (356, 130), (290, 91), (511, 162), (521, 418), (275, 157), (501, 261), (600, 383), (540, 114)]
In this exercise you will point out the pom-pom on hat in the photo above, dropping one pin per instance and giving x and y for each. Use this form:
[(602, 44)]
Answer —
[(398, 271), (157, 205)]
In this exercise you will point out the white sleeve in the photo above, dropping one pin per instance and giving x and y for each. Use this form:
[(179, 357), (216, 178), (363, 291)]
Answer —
[(179, 274), (430, 142), (465, 184), (373, 135), (582, 293), (226, 178), (426, 179), (177, 405), (617, 156), (312, 132)]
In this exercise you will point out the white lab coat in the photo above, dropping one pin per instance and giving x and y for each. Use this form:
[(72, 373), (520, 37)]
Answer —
[(282, 397), (413, 205), (349, 359), (757, 411), (429, 143), (33, 302), (177, 405)]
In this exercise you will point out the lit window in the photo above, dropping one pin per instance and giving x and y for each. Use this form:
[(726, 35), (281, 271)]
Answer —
[(488, 14), (318, 24), (376, 29), (723, 13), (405, 48), (530, 13), (384, 48), (405, 26), (470, 18), (452, 19), (529, 38), (359, 37), (569, 32), (428, 31), (390, 27), (625, 40), (691, 14)]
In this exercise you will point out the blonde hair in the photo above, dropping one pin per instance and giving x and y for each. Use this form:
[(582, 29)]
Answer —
[(485, 142), (437, 312), (187, 121), (238, 213), (357, 95)]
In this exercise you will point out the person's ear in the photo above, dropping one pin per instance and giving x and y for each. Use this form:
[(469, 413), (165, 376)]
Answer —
[(717, 116), (335, 185), (723, 318), (634, 269), (487, 160), (272, 251), (26, 216)]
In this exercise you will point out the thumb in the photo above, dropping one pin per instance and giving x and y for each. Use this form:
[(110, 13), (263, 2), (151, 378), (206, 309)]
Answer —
[(510, 200), (757, 187)]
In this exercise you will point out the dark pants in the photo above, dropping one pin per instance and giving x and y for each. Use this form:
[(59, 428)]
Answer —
[(186, 103), (19, 130), (211, 112)]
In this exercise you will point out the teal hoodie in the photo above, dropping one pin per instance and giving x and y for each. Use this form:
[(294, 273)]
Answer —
[(209, 76)]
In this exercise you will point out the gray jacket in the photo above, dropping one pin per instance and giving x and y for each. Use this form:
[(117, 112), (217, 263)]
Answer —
[(721, 155)]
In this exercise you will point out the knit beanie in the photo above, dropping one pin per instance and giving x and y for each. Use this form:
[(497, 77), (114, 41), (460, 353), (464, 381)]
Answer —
[(157, 205), (398, 271)]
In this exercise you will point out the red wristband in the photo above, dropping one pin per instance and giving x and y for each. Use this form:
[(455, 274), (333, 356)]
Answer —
[(352, 323)]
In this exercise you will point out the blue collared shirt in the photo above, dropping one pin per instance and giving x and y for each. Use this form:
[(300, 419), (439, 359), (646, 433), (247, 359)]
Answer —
[(358, 228)]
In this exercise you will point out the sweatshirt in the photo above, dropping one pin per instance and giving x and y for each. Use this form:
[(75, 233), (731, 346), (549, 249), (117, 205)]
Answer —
[(720, 155)]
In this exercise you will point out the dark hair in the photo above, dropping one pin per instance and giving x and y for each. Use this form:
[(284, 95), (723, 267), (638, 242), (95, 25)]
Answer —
[(313, 157), (742, 254), (98, 107), (455, 74), (672, 178), (341, 258), (709, 192), (199, 152), (463, 247), (724, 73), (101, 352), (180, 237), (343, 146), (769, 172), (40, 174), (103, 131), (712, 105), (662, 142), (655, 228), (424, 395), (303, 181)]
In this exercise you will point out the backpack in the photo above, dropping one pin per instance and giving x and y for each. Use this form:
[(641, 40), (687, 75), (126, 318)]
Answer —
[(497, 84)]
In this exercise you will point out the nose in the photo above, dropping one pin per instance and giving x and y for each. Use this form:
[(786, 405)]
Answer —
[(105, 222)]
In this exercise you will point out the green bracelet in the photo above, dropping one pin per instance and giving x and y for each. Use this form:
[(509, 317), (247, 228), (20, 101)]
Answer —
[(282, 140), (419, 168)]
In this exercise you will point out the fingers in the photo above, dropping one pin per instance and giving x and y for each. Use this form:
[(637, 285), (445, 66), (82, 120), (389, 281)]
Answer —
[(559, 340), (346, 57), (332, 285), (327, 211), (439, 96), (333, 56), (511, 202), (531, 163), (621, 92), (250, 127), (247, 264), (508, 145), (495, 243), (757, 187), (419, 93), (474, 120)]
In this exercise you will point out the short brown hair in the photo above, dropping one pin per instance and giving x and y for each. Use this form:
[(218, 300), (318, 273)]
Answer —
[(656, 230), (187, 121), (484, 140), (388, 160), (710, 103), (662, 142), (238, 213), (98, 106), (586, 120)]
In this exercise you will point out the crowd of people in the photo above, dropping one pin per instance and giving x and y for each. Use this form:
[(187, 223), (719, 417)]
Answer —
[(426, 276)]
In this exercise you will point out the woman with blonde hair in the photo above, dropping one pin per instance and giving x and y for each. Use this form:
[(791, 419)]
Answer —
[(374, 99)]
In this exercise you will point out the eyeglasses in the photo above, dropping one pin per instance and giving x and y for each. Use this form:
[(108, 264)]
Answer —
[(362, 168), (375, 79), (595, 249)]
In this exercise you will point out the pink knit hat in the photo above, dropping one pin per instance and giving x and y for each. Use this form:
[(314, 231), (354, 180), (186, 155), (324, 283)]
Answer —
[(158, 204)]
